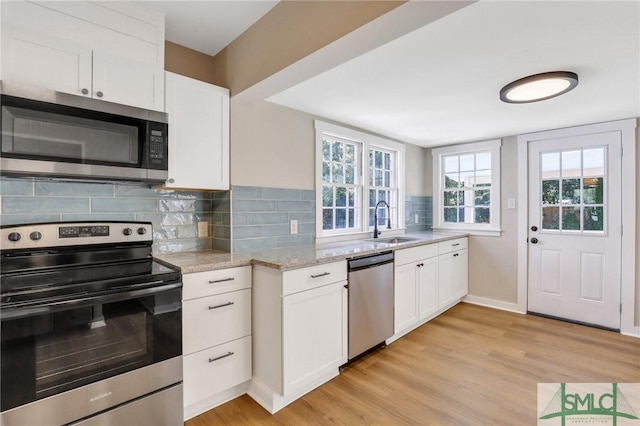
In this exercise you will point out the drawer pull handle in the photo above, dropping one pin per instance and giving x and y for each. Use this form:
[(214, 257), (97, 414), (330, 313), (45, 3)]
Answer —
[(456, 255), (324, 274), (456, 244), (222, 280), (221, 306), (420, 265), (220, 357)]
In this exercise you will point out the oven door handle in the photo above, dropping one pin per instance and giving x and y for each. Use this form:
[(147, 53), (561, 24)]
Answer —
[(8, 313)]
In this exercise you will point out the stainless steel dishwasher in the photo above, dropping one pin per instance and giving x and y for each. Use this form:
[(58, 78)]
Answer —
[(370, 302)]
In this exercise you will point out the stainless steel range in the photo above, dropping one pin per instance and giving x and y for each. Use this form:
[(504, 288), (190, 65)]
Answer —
[(91, 326)]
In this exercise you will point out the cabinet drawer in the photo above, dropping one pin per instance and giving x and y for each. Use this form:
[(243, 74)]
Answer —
[(216, 369), (415, 254), (314, 276), (213, 320), (452, 245), (208, 283)]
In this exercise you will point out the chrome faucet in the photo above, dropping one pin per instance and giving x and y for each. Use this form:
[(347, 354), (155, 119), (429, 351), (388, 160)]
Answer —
[(375, 219)]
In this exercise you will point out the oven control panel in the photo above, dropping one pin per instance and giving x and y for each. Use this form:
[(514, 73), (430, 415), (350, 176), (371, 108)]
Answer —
[(83, 231), (73, 233)]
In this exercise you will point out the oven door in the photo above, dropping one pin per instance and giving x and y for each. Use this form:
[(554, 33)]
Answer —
[(68, 347)]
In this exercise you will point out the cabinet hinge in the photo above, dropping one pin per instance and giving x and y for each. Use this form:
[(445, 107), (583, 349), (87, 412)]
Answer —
[(621, 229), (621, 151), (621, 308)]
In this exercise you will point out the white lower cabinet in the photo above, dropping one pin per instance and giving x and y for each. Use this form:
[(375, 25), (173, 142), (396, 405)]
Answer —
[(299, 331), (428, 280), (216, 323)]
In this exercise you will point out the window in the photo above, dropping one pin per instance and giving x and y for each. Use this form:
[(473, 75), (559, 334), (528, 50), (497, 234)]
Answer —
[(466, 187), (355, 172), (572, 196)]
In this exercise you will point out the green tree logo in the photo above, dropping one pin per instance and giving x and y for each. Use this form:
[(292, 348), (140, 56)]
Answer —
[(564, 404)]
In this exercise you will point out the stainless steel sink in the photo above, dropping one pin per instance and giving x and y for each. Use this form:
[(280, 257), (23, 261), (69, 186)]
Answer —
[(393, 240)]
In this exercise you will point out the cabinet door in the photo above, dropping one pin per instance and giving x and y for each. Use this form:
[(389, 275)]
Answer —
[(445, 280), (127, 81), (427, 287), (405, 294), (460, 274), (314, 326), (198, 133), (40, 60)]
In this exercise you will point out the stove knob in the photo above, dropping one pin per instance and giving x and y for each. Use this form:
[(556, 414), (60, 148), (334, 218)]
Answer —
[(14, 236), (127, 231), (142, 231), (35, 236)]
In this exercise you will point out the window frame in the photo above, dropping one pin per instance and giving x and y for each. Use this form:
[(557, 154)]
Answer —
[(367, 142), (438, 154)]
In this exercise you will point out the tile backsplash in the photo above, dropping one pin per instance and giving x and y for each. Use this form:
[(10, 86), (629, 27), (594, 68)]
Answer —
[(174, 214), (247, 218), (421, 206), (261, 217)]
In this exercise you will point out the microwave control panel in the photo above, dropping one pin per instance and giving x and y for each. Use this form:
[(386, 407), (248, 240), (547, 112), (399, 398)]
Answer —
[(157, 146)]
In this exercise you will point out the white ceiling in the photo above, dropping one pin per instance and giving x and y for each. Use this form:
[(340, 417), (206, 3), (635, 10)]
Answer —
[(208, 26), (439, 84)]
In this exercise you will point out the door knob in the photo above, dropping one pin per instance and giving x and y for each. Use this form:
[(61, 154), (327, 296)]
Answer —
[(85, 91), (534, 240), (99, 94), (534, 228)]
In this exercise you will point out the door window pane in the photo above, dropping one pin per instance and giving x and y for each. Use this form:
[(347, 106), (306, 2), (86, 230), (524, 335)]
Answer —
[(550, 165), (551, 218), (593, 162), (570, 191), (550, 192), (571, 218), (593, 190), (483, 161), (483, 178), (571, 163), (593, 218)]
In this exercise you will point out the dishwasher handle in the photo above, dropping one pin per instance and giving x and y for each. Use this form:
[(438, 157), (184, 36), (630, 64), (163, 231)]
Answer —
[(358, 263)]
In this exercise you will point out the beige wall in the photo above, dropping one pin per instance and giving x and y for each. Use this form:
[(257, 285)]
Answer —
[(293, 29), (274, 146), (493, 261), (271, 146)]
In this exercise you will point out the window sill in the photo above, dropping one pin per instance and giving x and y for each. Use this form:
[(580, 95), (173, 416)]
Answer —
[(470, 231)]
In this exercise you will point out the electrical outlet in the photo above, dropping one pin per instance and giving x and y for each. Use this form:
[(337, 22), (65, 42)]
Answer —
[(203, 229), (415, 219), (293, 226)]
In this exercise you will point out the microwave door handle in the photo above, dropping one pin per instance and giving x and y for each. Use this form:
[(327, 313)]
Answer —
[(79, 302)]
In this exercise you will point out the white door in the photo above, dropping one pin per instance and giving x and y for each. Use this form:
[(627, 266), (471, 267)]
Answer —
[(575, 228)]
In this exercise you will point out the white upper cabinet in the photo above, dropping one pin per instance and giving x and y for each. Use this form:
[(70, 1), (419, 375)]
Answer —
[(108, 51), (198, 133)]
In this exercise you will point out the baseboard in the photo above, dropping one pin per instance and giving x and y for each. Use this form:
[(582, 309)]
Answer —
[(493, 303), (215, 400), (635, 332), (273, 402)]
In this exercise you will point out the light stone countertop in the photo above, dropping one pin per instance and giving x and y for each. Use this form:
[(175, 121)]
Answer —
[(296, 257)]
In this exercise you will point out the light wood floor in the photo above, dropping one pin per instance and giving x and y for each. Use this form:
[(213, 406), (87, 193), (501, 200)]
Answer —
[(470, 366)]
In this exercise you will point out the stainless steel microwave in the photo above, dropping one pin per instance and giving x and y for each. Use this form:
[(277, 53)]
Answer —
[(54, 134)]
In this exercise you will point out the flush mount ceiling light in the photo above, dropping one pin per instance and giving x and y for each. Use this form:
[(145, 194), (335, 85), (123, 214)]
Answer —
[(539, 87)]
